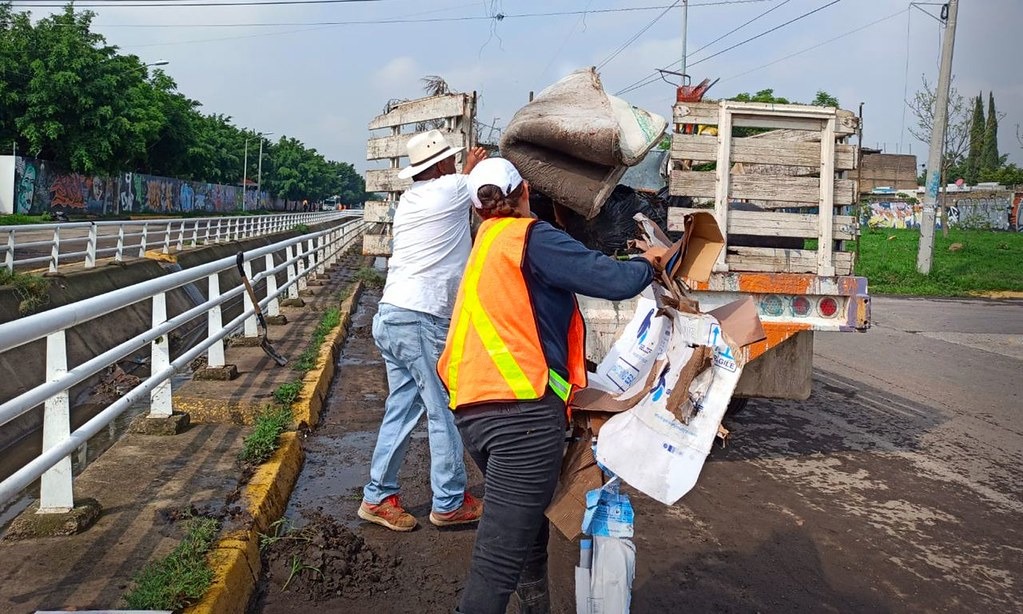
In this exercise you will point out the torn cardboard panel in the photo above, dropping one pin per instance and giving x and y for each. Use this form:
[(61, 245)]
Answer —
[(579, 475), (740, 321)]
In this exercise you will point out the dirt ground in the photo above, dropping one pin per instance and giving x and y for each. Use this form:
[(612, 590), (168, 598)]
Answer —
[(848, 502)]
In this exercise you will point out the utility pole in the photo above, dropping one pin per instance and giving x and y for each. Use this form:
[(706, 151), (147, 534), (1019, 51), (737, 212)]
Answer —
[(259, 176), (685, 27), (935, 157), (245, 174)]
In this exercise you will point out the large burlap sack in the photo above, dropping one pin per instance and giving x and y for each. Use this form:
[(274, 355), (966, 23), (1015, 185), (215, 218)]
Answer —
[(573, 142)]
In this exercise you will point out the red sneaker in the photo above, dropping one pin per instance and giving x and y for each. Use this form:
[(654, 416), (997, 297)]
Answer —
[(388, 513), (469, 512)]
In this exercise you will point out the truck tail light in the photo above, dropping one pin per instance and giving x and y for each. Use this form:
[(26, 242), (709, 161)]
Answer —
[(827, 307), (801, 306), (772, 305)]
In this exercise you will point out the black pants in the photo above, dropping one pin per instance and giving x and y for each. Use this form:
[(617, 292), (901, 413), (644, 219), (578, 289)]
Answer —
[(519, 448)]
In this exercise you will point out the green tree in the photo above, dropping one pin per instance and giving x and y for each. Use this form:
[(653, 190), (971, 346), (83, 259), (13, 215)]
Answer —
[(766, 95), (957, 132), (971, 170), (989, 159), (73, 98), (825, 99)]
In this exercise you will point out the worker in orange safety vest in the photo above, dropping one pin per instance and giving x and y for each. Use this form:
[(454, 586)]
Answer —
[(515, 351)]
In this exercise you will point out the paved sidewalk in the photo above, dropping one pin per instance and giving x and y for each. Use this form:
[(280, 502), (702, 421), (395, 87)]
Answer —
[(143, 481)]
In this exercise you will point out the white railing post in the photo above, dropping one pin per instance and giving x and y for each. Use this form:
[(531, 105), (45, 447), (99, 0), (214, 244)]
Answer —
[(56, 495), (215, 356), (195, 234), (302, 281), (273, 308), (55, 250), (166, 238), (145, 237), (160, 402), (217, 234), (206, 236), (9, 259), (250, 322), (321, 254), (313, 257), (181, 236), (292, 272), (90, 247), (119, 256)]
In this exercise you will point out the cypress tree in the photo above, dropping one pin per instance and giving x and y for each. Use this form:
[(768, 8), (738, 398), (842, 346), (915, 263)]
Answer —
[(989, 160), (977, 128)]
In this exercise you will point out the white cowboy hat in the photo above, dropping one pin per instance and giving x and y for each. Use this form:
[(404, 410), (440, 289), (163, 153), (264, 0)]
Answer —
[(425, 150)]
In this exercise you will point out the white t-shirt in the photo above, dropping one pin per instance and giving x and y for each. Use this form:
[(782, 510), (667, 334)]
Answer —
[(431, 246)]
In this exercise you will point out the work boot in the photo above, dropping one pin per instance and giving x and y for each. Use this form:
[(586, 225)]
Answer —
[(388, 513), (469, 512), (534, 597)]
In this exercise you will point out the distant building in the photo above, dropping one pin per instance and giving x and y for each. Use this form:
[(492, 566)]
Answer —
[(883, 170)]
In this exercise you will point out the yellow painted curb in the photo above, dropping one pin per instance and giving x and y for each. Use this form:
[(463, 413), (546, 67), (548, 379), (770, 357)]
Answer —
[(235, 559), (316, 383), (157, 254), (999, 294)]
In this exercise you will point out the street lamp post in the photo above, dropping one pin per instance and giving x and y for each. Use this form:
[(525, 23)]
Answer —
[(245, 167), (259, 173)]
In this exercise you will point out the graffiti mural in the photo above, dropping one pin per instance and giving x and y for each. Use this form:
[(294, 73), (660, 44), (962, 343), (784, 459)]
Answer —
[(42, 187), (980, 212), (1016, 215)]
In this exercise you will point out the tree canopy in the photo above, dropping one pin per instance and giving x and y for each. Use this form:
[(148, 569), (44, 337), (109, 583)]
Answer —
[(68, 96)]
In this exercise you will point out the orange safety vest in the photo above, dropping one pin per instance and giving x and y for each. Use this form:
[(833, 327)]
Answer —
[(493, 351)]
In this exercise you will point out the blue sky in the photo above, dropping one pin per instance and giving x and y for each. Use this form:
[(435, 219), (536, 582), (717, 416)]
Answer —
[(323, 84)]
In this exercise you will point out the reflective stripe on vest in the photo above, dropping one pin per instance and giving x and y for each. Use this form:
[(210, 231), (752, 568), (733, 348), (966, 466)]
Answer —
[(495, 346)]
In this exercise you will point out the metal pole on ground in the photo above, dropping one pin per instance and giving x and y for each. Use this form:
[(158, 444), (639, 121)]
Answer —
[(934, 158)]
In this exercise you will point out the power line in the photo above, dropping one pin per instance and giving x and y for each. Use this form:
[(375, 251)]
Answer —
[(635, 36), (648, 81), (734, 30), (656, 74), (250, 3), (812, 47)]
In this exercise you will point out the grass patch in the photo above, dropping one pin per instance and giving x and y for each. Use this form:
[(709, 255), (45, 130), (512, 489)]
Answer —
[(20, 219), (370, 277), (330, 320), (987, 261), (301, 228), (262, 442), (180, 578), (286, 394), (33, 290)]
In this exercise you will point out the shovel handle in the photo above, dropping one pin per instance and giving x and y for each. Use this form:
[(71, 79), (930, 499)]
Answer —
[(240, 263)]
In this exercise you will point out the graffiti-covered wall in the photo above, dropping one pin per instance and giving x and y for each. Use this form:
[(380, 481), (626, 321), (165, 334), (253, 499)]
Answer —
[(42, 187), (987, 211)]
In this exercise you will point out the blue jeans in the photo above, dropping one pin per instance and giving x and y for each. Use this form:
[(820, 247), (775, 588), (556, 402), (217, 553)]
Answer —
[(411, 343)]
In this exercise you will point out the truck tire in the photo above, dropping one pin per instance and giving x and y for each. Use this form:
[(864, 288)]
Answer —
[(736, 405)]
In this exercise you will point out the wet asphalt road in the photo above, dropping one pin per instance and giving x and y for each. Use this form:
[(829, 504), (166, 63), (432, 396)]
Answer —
[(898, 487)]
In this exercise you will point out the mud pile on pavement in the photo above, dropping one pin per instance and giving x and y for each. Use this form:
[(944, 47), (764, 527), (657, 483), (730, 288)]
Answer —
[(325, 560)]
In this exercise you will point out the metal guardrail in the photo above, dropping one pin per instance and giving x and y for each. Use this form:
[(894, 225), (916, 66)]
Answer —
[(89, 241), (302, 256)]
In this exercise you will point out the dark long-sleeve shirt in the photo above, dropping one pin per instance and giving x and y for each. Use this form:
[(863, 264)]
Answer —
[(556, 268)]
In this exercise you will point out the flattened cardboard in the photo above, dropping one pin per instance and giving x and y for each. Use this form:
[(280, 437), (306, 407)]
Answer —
[(579, 475), (702, 243), (740, 322)]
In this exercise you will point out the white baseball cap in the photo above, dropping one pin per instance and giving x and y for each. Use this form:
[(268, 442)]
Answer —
[(493, 171)]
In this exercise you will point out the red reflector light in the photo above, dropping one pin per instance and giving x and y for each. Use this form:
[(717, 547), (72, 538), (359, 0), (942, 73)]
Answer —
[(828, 307), (801, 306)]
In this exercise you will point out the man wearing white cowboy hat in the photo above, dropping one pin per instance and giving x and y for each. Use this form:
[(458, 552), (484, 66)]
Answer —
[(430, 249)]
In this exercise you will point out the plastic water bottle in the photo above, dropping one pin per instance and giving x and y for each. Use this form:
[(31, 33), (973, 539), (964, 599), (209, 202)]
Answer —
[(585, 553)]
